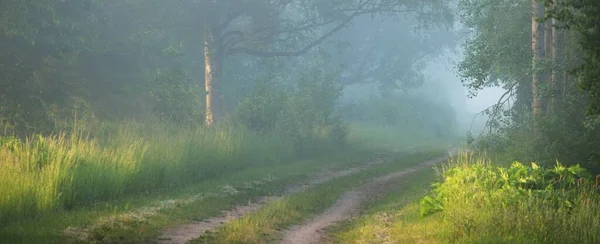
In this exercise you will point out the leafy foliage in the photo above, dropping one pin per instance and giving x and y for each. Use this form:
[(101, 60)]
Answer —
[(499, 53), (508, 185), (305, 112), (178, 99), (479, 201), (583, 16)]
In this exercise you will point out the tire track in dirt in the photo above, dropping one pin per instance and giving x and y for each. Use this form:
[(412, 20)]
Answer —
[(183, 233), (350, 202)]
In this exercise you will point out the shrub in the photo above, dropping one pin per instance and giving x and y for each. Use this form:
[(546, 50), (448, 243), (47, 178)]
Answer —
[(304, 112), (518, 203)]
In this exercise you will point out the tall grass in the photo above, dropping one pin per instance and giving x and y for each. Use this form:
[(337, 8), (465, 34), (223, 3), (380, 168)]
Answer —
[(67, 170), (479, 202)]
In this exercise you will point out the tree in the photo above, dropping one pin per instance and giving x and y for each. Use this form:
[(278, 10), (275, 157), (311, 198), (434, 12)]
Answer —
[(35, 63), (95, 55), (517, 44), (270, 28), (537, 48), (582, 17), (394, 53), (498, 53)]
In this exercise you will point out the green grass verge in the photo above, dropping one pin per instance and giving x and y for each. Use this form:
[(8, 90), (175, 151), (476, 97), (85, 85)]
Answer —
[(122, 221), (62, 172), (264, 225)]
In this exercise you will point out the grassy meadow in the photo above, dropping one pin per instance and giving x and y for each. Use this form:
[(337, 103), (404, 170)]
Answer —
[(66, 170)]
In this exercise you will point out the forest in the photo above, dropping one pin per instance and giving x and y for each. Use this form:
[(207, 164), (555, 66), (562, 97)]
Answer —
[(299, 121)]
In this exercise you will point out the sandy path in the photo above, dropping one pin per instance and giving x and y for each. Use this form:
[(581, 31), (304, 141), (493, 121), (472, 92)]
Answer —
[(184, 233), (345, 207)]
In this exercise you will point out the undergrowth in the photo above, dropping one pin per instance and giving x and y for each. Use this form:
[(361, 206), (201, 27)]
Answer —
[(477, 201), (480, 201)]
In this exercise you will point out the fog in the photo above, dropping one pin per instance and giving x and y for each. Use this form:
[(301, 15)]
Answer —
[(155, 94), (120, 118), (183, 66)]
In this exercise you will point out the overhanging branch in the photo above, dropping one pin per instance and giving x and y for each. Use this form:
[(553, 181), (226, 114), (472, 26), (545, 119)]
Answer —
[(356, 12), (293, 53), (496, 107)]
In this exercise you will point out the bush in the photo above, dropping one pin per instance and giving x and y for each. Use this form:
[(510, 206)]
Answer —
[(177, 98), (304, 112), (531, 204)]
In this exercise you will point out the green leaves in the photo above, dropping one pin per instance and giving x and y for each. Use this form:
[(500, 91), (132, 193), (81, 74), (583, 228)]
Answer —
[(559, 186), (499, 51), (304, 110), (429, 206), (177, 99)]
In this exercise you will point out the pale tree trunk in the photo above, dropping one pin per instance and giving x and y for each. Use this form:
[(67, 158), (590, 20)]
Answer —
[(537, 47), (212, 74), (549, 73)]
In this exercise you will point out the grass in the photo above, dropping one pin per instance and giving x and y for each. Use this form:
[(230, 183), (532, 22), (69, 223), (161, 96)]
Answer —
[(480, 202), (138, 217), (65, 171), (127, 182), (44, 174), (264, 225)]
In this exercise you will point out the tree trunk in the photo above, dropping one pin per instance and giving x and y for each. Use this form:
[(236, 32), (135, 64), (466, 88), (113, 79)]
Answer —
[(549, 71), (537, 47), (212, 74), (557, 57)]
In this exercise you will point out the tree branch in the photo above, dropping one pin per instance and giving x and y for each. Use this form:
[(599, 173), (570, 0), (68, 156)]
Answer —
[(356, 12), (496, 108), (293, 53)]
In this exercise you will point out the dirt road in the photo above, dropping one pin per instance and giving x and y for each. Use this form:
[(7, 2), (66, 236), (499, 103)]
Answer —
[(184, 233), (311, 231)]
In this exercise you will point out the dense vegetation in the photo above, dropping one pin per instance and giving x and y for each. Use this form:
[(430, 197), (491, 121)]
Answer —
[(479, 200), (548, 111), (484, 203), (548, 64)]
